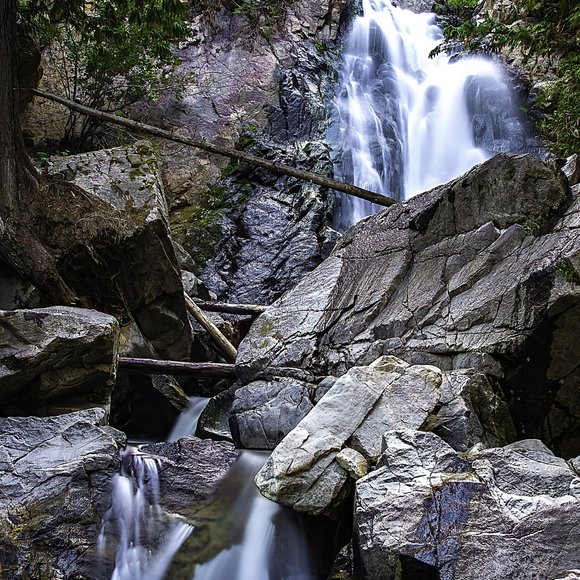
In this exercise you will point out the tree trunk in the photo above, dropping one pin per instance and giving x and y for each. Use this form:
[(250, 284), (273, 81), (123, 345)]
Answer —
[(234, 154), (19, 181)]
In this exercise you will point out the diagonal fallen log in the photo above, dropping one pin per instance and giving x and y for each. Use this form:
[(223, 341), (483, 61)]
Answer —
[(218, 338), (225, 151), (227, 308)]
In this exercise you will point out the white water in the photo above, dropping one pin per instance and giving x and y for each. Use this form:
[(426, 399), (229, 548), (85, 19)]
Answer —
[(138, 523), (186, 423), (402, 122), (252, 558)]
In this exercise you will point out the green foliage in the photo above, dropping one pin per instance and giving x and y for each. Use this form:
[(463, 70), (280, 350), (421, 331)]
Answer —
[(567, 270), (561, 126), (108, 54), (264, 17), (548, 28)]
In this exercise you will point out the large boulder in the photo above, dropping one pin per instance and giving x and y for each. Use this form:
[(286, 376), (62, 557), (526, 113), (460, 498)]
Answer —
[(482, 272), (54, 476), (430, 512), (471, 411), (264, 412), (113, 244), (56, 359), (304, 471)]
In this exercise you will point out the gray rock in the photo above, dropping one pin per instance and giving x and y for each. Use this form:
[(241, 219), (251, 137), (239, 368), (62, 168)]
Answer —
[(571, 169), (353, 462), (417, 6), (214, 419), (269, 95), (507, 512), (302, 471), (471, 412), (54, 476), (272, 240), (570, 575), (56, 359), (264, 412), (191, 471), (119, 252), (480, 273)]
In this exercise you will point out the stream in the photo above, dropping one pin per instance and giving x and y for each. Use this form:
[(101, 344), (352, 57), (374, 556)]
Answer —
[(403, 123)]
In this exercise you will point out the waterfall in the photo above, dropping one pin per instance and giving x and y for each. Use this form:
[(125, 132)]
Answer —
[(146, 537), (256, 554), (186, 423), (405, 122)]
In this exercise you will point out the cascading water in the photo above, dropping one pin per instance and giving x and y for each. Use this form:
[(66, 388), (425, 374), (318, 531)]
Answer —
[(253, 557), (137, 522), (186, 423), (269, 540), (405, 122)]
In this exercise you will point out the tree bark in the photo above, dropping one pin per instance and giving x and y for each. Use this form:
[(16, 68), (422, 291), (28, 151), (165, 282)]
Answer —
[(225, 151), (171, 367), (19, 181), (207, 370), (218, 338), (242, 309)]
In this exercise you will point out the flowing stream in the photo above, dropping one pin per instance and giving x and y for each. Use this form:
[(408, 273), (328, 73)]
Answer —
[(137, 522), (405, 122), (258, 556), (144, 538)]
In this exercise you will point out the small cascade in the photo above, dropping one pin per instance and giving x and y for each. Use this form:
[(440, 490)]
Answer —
[(405, 122), (259, 556), (146, 537), (186, 423)]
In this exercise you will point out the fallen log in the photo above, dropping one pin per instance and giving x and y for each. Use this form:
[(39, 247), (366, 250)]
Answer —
[(234, 154), (218, 338), (208, 370), (172, 367), (247, 309)]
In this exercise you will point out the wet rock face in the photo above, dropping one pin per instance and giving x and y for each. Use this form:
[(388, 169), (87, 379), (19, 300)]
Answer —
[(506, 512), (480, 273), (56, 359), (119, 253), (277, 236), (190, 471), (54, 475), (265, 90)]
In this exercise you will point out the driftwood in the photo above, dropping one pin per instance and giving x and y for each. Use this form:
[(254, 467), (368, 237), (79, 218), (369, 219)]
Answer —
[(238, 156), (246, 309), (171, 367), (218, 338)]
